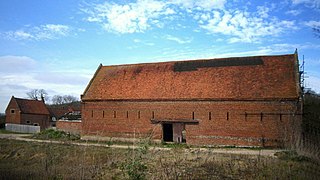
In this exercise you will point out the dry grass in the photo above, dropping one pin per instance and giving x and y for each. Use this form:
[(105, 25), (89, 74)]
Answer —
[(29, 160)]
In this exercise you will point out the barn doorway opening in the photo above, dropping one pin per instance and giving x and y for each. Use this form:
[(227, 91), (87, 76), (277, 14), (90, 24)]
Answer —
[(174, 130), (167, 130)]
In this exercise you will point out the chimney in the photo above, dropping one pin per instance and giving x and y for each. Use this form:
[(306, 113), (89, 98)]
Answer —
[(42, 98)]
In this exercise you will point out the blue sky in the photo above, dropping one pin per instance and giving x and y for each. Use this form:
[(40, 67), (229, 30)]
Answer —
[(57, 45)]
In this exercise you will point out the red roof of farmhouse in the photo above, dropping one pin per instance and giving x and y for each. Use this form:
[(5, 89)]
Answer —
[(31, 106), (237, 78)]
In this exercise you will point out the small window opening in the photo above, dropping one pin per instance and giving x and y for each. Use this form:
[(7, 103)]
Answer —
[(227, 115), (35, 124), (114, 114), (261, 116), (92, 113), (245, 115), (12, 111), (28, 122), (127, 114), (193, 115), (139, 114), (209, 115), (102, 113), (152, 114)]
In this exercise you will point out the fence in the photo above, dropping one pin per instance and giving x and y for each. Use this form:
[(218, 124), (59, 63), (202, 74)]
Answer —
[(22, 128)]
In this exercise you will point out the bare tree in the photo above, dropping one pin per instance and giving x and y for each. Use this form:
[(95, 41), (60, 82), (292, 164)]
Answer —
[(69, 99), (37, 94), (33, 94), (57, 99)]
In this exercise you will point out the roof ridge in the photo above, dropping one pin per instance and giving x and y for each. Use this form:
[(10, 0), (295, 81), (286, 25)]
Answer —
[(91, 80), (190, 60), (28, 99)]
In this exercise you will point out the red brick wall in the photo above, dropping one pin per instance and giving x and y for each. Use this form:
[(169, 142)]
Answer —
[(27, 119), (41, 120), (13, 118), (69, 126), (228, 125)]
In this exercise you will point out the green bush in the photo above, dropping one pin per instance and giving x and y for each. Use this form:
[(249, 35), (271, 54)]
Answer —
[(291, 155), (55, 134), (135, 166)]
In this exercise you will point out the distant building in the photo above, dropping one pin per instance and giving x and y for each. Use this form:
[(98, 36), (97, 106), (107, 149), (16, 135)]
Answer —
[(242, 101), (69, 111), (27, 112), (66, 117)]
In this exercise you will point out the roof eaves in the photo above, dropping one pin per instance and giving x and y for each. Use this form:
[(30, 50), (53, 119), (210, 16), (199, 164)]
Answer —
[(18, 103), (279, 99), (297, 74), (90, 82)]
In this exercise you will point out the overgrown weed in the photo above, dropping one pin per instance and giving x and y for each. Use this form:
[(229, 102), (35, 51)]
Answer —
[(20, 160)]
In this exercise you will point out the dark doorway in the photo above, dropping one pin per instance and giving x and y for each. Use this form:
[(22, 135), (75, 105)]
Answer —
[(167, 132)]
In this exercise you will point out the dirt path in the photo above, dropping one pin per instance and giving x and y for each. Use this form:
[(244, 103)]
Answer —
[(262, 152)]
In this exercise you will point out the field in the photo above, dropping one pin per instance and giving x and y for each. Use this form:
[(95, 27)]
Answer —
[(34, 160)]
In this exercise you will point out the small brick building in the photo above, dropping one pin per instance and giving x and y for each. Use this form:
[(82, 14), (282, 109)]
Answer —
[(27, 112), (242, 101)]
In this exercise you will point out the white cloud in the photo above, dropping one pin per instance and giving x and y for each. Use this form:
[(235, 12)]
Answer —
[(16, 64), (308, 3), (299, 1), (243, 26), (200, 4), (178, 40), (42, 32), (19, 34), (143, 14), (263, 11), (288, 48), (312, 23), (293, 12), (19, 74), (313, 82), (143, 42), (212, 16), (129, 18), (137, 40), (54, 29)]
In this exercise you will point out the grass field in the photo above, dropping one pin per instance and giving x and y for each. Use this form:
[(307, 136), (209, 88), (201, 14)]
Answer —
[(32, 160)]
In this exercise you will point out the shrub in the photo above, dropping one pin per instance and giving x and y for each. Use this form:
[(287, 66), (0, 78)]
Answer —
[(291, 155), (134, 166), (55, 134)]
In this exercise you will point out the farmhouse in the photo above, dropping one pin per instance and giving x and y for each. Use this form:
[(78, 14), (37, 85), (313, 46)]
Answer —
[(242, 101), (27, 112)]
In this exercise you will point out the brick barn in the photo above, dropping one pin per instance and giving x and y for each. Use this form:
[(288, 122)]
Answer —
[(241, 101), (27, 112)]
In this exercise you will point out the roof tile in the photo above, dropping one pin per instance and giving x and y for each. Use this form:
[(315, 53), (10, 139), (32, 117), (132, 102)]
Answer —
[(258, 77), (32, 106)]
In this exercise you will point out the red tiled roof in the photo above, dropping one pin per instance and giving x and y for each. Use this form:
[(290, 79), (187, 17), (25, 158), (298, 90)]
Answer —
[(32, 106), (58, 111), (62, 109), (247, 78)]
